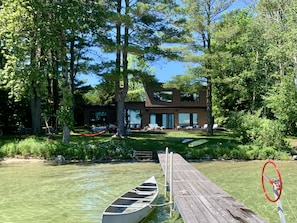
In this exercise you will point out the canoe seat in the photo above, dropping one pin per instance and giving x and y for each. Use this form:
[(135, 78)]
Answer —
[(140, 192), (127, 206), (136, 199), (152, 187)]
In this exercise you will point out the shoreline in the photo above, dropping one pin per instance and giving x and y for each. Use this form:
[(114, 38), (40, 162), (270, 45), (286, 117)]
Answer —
[(19, 160)]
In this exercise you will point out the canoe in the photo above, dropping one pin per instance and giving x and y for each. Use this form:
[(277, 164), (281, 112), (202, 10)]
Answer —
[(134, 205)]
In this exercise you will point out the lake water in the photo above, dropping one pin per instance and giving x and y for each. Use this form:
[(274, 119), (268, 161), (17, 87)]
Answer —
[(40, 192)]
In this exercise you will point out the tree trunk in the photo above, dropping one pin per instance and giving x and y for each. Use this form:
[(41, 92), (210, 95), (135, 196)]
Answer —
[(36, 63), (72, 72), (120, 98), (120, 116), (210, 119), (66, 103), (66, 134), (55, 82), (36, 114)]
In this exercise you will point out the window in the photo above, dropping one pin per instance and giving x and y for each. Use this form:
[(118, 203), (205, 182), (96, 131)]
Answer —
[(184, 96), (187, 119), (168, 121), (184, 119), (163, 96), (98, 117), (165, 120), (195, 119), (134, 118)]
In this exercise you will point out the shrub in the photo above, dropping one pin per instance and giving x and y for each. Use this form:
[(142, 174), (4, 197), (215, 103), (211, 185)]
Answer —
[(31, 147), (9, 149), (254, 130), (267, 153), (111, 149), (116, 149)]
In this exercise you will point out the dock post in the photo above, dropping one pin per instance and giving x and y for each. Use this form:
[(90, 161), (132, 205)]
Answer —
[(171, 183), (166, 167)]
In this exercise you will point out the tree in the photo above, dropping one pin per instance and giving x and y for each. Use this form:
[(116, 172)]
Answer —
[(138, 28), (278, 20), (101, 94), (186, 83), (23, 51), (43, 42), (239, 83), (201, 18)]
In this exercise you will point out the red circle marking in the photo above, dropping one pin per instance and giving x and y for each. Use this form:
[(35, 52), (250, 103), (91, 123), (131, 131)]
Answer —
[(272, 182)]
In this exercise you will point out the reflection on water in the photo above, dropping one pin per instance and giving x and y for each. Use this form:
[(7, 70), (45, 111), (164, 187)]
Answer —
[(38, 192)]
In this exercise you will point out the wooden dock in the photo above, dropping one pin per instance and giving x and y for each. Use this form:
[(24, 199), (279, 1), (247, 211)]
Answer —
[(197, 199)]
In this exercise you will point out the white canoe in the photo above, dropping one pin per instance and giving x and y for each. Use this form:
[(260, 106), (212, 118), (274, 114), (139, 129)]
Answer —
[(134, 205)]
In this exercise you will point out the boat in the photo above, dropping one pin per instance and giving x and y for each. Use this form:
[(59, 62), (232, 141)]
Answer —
[(134, 205)]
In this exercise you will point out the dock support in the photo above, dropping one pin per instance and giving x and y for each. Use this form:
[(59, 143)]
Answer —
[(166, 171), (171, 183)]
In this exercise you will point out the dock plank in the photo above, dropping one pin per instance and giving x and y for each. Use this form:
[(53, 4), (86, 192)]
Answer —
[(199, 200)]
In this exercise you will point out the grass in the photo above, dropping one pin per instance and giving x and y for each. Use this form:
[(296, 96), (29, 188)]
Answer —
[(222, 145)]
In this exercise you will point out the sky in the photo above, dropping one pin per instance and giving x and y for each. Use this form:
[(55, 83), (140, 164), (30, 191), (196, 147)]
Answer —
[(164, 69)]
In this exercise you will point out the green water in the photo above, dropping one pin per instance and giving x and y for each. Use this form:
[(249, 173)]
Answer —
[(76, 193)]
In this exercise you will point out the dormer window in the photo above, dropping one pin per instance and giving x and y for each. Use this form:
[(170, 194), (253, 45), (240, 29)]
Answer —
[(186, 97), (163, 96)]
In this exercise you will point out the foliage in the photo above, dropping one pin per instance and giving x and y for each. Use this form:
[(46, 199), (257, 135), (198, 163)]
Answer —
[(185, 83), (247, 58), (239, 82), (221, 146), (94, 151), (101, 94), (200, 19), (42, 45), (136, 28), (29, 147), (38, 148), (281, 99), (254, 130)]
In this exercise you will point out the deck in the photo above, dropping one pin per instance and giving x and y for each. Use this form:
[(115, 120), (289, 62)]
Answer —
[(199, 200)]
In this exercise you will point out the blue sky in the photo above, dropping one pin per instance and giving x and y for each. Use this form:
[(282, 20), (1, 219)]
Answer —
[(165, 70)]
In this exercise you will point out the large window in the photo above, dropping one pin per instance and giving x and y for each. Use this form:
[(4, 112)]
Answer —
[(183, 119), (163, 96), (187, 119), (168, 121), (165, 120), (189, 97)]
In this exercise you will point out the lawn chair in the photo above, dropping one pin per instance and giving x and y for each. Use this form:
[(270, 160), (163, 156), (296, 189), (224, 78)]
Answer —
[(155, 127)]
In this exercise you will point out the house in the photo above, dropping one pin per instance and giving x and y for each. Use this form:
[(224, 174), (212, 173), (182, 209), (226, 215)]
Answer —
[(169, 108), (173, 108)]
